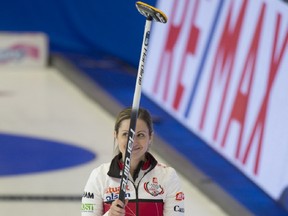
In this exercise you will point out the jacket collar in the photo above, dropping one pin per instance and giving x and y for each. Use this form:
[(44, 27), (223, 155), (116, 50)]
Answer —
[(117, 165)]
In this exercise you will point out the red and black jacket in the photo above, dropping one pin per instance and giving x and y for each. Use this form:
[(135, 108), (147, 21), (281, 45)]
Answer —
[(154, 190)]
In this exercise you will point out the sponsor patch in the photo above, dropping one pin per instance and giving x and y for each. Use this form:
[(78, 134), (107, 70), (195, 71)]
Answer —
[(112, 193), (88, 195), (177, 208)]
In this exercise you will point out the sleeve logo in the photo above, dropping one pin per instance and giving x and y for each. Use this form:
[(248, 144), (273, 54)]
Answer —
[(87, 207), (180, 196), (88, 195)]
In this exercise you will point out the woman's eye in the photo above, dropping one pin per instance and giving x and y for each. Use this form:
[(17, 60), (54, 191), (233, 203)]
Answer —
[(141, 135), (125, 134)]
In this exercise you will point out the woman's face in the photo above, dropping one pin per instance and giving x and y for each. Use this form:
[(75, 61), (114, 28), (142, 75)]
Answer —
[(142, 139)]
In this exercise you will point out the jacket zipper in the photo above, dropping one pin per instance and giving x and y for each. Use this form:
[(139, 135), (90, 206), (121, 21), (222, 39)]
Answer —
[(136, 192), (136, 189)]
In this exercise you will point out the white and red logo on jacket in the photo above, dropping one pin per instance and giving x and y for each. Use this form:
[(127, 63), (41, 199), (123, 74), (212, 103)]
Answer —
[(153, 187)]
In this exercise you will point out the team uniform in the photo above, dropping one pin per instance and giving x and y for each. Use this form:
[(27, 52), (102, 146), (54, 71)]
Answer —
[(154, 190)]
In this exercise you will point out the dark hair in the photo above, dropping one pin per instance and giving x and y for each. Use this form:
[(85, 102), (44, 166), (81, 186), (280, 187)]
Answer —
[(143, 114)]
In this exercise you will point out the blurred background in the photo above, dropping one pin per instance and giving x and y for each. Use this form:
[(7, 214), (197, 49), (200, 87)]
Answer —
[(215, 84)]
